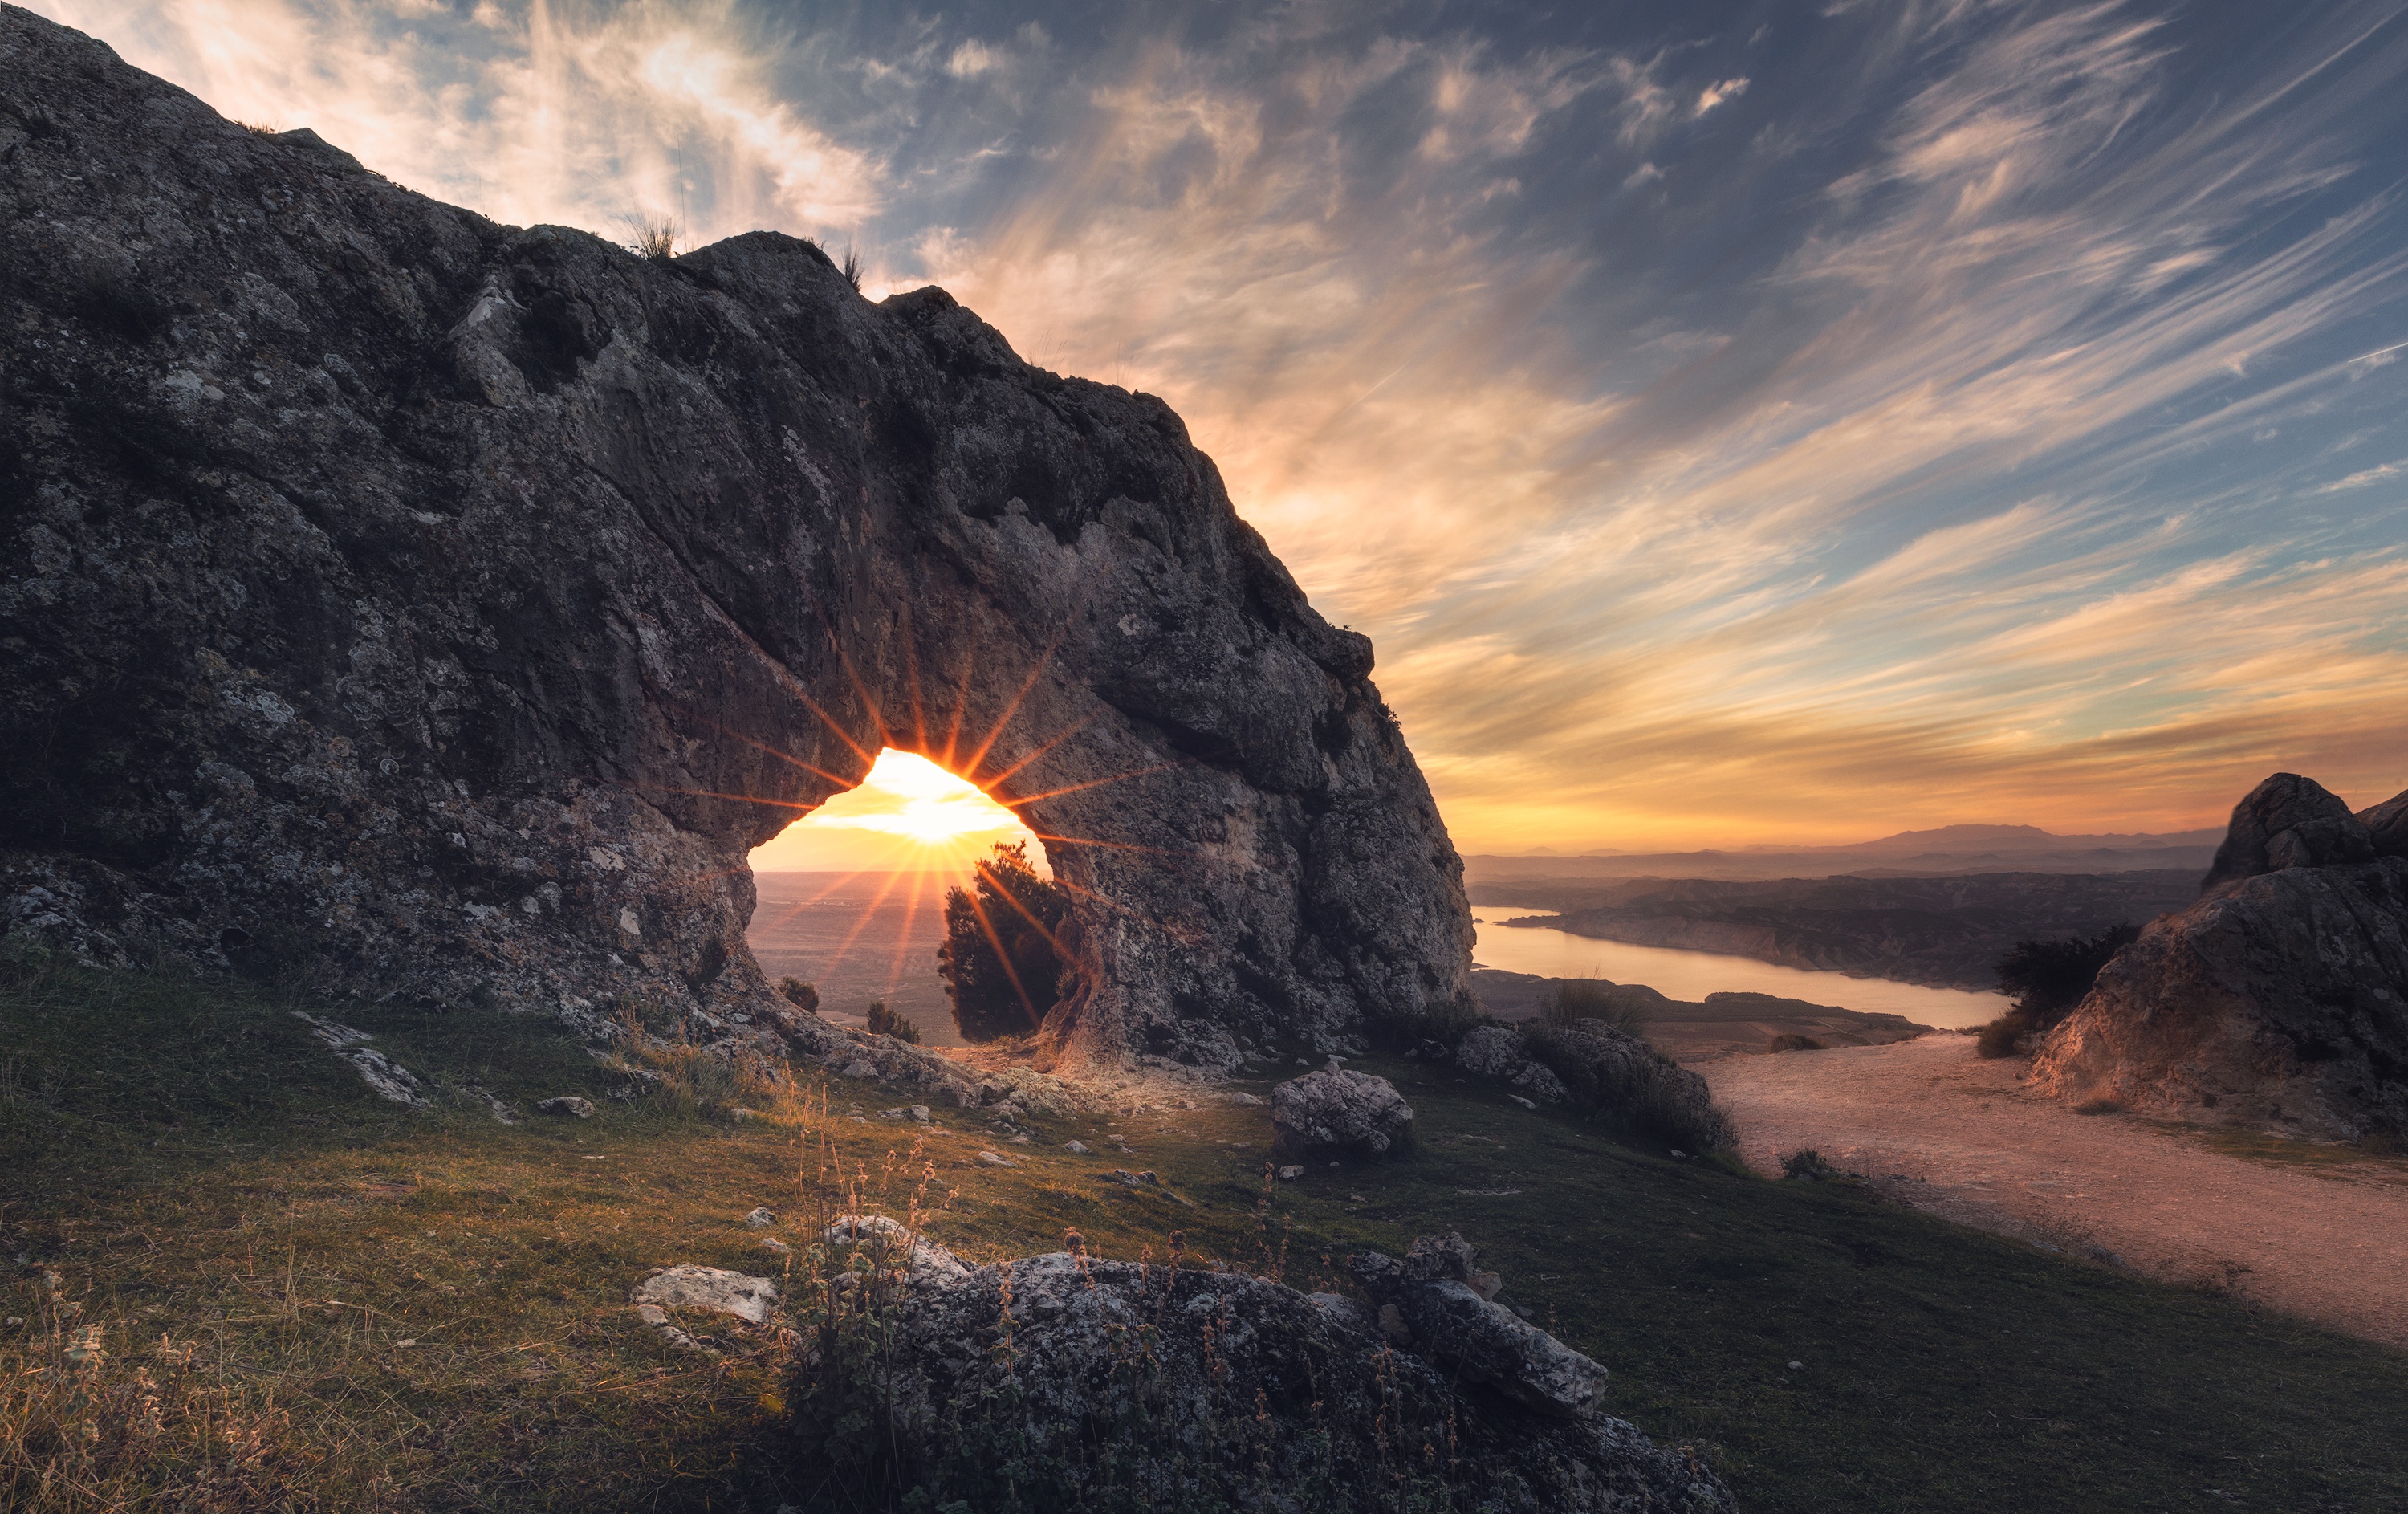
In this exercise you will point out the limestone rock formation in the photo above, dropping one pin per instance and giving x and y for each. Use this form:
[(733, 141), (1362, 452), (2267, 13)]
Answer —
[(1216, 1389), (446, 608), (2279, 999), (1340, 1115), (2287, 822)]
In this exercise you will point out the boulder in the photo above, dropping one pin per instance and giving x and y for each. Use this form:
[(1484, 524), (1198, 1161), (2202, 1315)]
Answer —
[(2281, 998), (567, 1105), (1448, 1306), (1249, 1394), (1321, 1117), (442, 609), (2287, 822)]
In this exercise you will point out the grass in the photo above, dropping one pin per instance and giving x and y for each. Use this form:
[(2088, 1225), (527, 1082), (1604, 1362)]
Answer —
[(339, 1304)]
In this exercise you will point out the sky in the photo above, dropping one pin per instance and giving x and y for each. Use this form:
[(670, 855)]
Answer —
[(1732, 424)]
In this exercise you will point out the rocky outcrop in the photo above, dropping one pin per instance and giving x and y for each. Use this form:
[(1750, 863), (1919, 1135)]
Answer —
[(1601, 1072), (445, 609), (2287, 822), (2278, 999), (1064, 1375), (1337, 1116)]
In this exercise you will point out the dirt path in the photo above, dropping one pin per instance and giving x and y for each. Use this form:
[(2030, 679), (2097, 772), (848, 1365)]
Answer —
[(2307, 1230)]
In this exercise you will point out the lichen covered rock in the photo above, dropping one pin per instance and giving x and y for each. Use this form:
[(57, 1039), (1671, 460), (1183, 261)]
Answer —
[(1054, 1379)]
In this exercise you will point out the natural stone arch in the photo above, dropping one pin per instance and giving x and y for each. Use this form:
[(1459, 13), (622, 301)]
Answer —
[(453, 606)]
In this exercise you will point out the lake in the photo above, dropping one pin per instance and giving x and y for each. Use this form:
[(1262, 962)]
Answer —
[(1694, 974)]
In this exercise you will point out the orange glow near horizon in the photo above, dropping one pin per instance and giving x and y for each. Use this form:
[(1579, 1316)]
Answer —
[(908, 815)]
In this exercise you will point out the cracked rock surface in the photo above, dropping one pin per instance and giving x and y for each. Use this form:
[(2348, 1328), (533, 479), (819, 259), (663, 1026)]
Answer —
[(446, 608)]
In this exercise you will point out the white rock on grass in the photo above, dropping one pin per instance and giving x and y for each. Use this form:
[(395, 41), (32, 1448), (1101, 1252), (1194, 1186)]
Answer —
[(996, 1159), (1076, 1149), (569, 1106), (688, 1286), (388, 1078), (878, 1235), (761, 1219)]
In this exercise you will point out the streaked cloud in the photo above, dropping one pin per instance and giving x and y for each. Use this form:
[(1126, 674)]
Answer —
[(1875, 416)]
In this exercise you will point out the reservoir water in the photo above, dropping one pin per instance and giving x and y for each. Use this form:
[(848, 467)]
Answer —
[(1694, 974)]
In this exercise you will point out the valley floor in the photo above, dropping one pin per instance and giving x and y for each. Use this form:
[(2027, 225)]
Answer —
[(2317, 1232)]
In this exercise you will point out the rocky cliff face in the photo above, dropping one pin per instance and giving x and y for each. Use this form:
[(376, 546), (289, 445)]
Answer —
[(2281, 997), (446, 608)]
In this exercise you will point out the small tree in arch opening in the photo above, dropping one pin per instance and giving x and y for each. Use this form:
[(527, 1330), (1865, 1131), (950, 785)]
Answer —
[(999, 960)]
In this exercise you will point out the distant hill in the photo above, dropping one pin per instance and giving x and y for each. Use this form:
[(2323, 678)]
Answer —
[(1948, 851)]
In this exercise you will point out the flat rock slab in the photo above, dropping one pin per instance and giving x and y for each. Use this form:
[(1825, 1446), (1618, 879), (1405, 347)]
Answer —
[(2321, 1241), (687, 1286)]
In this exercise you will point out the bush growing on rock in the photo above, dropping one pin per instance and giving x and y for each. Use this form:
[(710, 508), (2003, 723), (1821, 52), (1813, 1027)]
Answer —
[(2048, 978), (802, 995)]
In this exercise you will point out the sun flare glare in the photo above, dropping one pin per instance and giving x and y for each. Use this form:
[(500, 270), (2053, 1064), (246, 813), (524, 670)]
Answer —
[(907, 815)]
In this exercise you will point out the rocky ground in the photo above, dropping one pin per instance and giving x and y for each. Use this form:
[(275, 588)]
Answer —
[(2314, 1231)]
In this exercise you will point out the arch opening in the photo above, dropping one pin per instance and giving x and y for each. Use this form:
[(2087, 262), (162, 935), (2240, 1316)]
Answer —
[(853, 900)]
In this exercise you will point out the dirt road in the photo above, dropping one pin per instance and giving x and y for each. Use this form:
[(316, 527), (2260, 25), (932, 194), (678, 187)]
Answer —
[(2312, 1230)]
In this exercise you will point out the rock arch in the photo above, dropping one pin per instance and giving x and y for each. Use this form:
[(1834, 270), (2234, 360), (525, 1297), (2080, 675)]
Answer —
[(451, 607)]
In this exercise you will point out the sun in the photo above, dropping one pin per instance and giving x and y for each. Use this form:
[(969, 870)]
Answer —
[(909, 814)]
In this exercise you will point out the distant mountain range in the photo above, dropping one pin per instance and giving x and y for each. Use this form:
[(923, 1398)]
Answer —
[(1950, 850)]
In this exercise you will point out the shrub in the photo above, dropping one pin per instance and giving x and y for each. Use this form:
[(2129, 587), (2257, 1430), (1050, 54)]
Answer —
[(884, 1021), (1003, 961), (799, 994), (851, 268), (2048, 978), (1792, 1041), (2099, 1107), (2003, 1036), (1594, 999), (1808, 1164)]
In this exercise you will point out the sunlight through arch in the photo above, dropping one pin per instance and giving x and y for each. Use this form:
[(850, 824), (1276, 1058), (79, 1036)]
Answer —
[(908, 815), (850, 896)]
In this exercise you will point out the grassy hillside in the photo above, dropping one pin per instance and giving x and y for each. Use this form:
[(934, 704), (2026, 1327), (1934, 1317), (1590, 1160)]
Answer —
[(308, 1297)]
